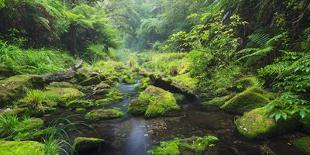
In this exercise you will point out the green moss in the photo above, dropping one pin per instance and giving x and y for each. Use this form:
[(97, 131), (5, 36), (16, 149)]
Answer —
[(258, 124), (63, 95), (92, 81), (61, 84), (104, 114), (167, 148), (29, 124), (144, 83), (80, 104), (113, 96), (16, 86), (177, 146), (35, 134), (246, 82), (218, 101), (246, 100), (185, 82), (155, 101), (129, 79), (37, 100), (21, 148), (80, 109), (303, 144), (85, 143)]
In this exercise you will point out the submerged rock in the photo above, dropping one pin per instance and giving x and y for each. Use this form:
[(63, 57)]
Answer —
[(303, 144), (16, 86), (245, 101), (21, 148), (104, 114), (85, 143), (153, 102), (258, 124)]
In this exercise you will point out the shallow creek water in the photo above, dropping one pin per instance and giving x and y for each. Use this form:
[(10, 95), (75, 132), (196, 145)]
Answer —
[(133, 135)]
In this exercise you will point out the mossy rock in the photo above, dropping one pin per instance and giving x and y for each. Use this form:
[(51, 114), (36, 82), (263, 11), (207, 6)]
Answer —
[(154, 102), (303, 144), (194, 145), (16, 87), (21, 148), (113, 96), (245, 101), (63, 94), (61, 85), (246, 82), (144, 83), (104, 114), (185, 82), (29, 124), (81, 104), (129, 80), (36, 135), (86, 143), (13, 111), (92, 80), (218, 101), (258, 124)]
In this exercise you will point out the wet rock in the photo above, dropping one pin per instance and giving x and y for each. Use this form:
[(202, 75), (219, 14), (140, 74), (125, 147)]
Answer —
[(245, 101), (21, 148), (153, 102), (303, 144), (16, 86), (258, 124), (85, 143), (104, 114)]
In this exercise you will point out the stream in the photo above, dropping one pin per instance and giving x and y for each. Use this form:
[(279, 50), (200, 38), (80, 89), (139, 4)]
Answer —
[(132, 135)]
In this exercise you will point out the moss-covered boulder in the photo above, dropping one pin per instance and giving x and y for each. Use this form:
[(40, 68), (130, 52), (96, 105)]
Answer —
[(303, 144), (218, 101), (92, 80), (61, 85), (63, 95), (113, 96), (37, 135), (80, 104), (21, 148), (85, 143), (246, 82), (129, 79), (153, 102), (16, 86), (104, 114), (247, 100), (29, 124), (193, 145), (144, 83), (258, 124)]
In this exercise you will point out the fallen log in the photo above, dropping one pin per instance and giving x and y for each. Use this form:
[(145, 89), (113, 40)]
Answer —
[(63, 76)]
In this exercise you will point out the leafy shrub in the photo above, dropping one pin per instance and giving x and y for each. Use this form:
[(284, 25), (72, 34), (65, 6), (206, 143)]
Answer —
[(289, 105)]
